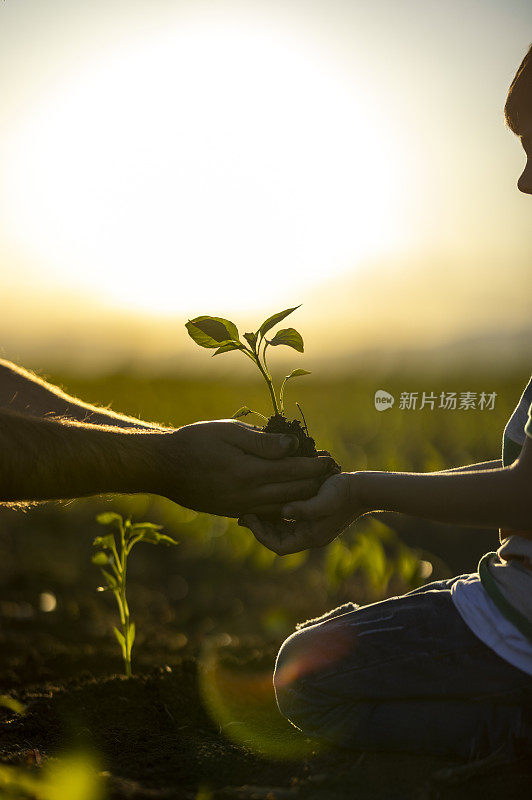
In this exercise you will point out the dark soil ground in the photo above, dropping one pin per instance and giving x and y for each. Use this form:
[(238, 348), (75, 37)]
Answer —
[(198, 720)]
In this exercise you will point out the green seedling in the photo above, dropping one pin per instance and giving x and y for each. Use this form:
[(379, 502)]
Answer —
[(222, 336), (111, 557)]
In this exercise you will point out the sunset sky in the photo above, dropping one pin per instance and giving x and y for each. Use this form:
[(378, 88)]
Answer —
[(166, 159)]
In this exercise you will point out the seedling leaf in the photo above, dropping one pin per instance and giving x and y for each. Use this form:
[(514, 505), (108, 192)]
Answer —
[(101, 558), (121, 641), (167, 540), (296, 373), (145, 526), (201, 338), (242, 412), (251, 339), (275, 319), (130, 638), (111, 580), (152, 537), (106, 542), (290, 337), (226, 348), (212, 331), (108, 517)]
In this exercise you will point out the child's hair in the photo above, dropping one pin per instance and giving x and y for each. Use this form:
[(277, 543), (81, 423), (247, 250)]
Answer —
[(518, 108)]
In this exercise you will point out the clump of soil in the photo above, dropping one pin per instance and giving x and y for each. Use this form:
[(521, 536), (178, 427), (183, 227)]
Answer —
[(280, 424)]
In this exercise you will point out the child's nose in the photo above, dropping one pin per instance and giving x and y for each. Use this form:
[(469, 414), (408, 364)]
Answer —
[(524, 184)]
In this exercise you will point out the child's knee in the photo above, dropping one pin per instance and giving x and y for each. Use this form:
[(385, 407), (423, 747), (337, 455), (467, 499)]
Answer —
[(287, 670), (305, 669), (292, 691)]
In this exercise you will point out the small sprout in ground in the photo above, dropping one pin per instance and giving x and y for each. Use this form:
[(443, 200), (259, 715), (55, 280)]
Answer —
[(9, 702), (222, 335), (111, 557), (74, 776)]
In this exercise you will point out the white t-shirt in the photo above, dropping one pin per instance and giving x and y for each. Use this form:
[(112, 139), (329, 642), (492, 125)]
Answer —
[(482, 616), (471, 599)]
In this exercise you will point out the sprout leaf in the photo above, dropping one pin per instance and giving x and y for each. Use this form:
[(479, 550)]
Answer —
[(111, 580), (242, 412), (106, 542), (99, 559), (226, 348), (212, 331), (290, 337), (121, 641), (131, 637), (145, 526), (251, 339), (108, 517), (152, 537), (275, 319), (296, 373)]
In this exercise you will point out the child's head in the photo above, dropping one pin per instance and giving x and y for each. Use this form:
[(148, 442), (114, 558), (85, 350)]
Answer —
[(518, 113)]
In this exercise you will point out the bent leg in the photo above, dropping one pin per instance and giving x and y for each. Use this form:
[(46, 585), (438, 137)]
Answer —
[(405, 674), (446, 583)]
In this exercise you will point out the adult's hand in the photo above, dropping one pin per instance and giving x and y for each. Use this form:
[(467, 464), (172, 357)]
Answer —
[(314, 522), (229, 468)]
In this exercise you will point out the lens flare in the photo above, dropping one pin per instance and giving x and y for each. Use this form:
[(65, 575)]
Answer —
[(308, 652), (241, 700)]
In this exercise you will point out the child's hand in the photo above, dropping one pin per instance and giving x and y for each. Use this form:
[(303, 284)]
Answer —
[(314, 522)]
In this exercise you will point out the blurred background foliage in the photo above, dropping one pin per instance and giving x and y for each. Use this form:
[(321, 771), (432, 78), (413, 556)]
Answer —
[(219, 579)]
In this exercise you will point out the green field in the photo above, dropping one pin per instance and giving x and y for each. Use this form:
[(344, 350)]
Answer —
[(198, 719), (342, 418)]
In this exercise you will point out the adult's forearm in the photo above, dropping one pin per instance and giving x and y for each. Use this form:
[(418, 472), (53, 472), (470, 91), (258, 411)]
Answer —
[(44, 459), (25, 393), (487, 498)]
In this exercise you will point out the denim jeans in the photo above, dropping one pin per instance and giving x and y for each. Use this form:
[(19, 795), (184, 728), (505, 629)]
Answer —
[(405, 674)]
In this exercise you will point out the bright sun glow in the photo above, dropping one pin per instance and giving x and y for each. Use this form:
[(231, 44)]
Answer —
[(211, 169)]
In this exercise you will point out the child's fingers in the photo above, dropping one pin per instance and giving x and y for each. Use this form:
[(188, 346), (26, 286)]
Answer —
[(263, 532), (269, 511), (284, 538), (336, 467), (314, 508), (290, 469), (282, 493)]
